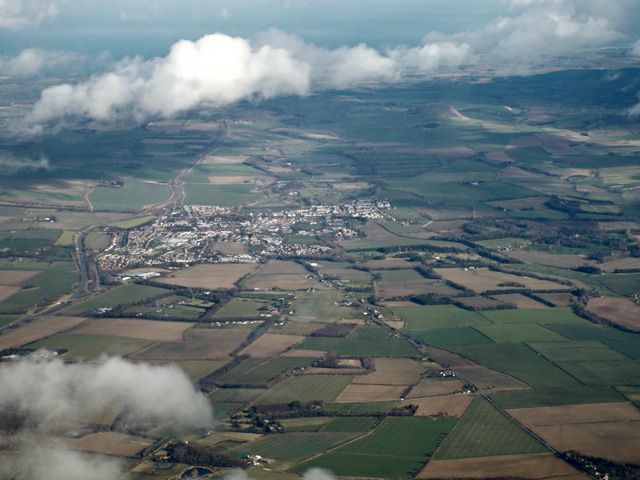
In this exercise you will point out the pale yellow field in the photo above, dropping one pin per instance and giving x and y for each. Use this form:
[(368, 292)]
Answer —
[(41, 328), (620, 311), (198, 344), (481, 280), (110, 443), (434, 389), (218, 276), (7, 291), (355, 393), (535, 466), (15, 277), (271, 344), (392, 371), (143, 329)]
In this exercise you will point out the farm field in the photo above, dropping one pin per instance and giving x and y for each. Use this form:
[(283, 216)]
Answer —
[(280, 275), (110, 443), (306, 388), (37, 329), (261, 371), (521, 362), (295, 446), (271, 344), (238, 308), (438, 317), (141, 329), (404, 283), (602, 430), (483, 280), (619, 311), (213, 277), (441, 406), (535, 466), (483, 431), (363, 341), (398, 447), (84, 346), (198, 344), (555, 397), (122, 295)]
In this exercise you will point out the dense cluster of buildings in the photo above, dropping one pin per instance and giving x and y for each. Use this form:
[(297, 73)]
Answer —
[(189, 235)]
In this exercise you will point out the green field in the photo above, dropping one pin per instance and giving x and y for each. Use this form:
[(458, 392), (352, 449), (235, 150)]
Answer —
[(351, 424), (220, 195), (89, 347), (519, 361), (7, 319), (133, 196), (398, 447), (293, 446), (540, 316), (305, 424), (235, 395), (450, 337), (625, 284), (556, 397), (55, 280), (321, 307), (305, 388), (438, 317), (585, 351), (620, 372), (261, 371), (516, 333), (373, 408), (364, 341), (484, 431), (119, 296)]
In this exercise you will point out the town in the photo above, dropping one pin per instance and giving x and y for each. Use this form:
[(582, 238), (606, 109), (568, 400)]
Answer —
[(188, 236)]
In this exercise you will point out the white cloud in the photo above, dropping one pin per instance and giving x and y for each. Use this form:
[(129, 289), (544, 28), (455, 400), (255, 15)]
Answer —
[(635, 49), (218, 70), (11, 164), (339, 68), (19, 14), (37, 462), (215, 70), (52, 394), (433, 56), (546, 29), (34, 61), (45, 396)]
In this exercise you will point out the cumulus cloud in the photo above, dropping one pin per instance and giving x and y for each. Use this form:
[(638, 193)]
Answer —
[(12, 164), (213, 71), (35, 61), (19, 14), (218, 70), (546, 29), (51, 394), (37, 462)]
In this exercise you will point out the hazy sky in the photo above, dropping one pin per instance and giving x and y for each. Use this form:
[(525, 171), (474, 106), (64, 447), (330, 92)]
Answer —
[(149, 28)]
